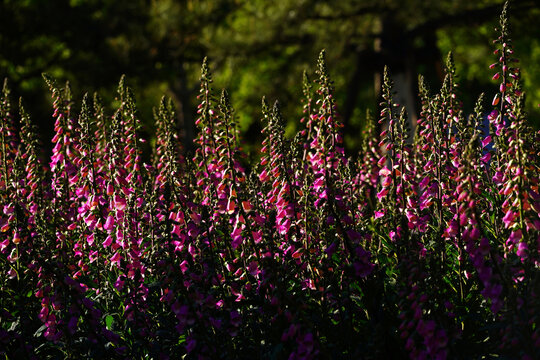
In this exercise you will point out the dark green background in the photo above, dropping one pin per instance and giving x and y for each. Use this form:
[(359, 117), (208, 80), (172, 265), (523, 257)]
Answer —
[(256, 48)]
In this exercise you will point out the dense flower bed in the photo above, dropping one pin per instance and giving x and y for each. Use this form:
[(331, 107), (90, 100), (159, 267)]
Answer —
[(422, 247)]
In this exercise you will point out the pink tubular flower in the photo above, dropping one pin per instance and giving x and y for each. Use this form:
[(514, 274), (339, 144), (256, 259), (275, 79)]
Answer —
[(108, 241), (523, 250), (236, 236), (493, 115), (509, 218), (116, 258), (119, 202), (486, 158), (381, 194), (109, 223), (384, 172)]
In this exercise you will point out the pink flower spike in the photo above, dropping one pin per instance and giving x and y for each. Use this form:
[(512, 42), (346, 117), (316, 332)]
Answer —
[(231, 206), (382, 193), (109, 223), (384, 172), (496, 100), (108, 241), (284, 227), (184, 266), (176, 230), (486, 141), (493, 115), (379, 214), (253, 268), (16, 238), (116, 258), (386, 181), (509, 218), (263, 176), (4, 227), (119, 203), (197, 218), (515, 236), (523, 250), (9, 209), (236, 236), (257, 236), (318, 183), (246, 205), (4, 244)]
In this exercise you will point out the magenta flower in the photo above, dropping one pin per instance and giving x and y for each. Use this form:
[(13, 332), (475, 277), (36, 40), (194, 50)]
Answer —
[(109, 223), (522, 250)]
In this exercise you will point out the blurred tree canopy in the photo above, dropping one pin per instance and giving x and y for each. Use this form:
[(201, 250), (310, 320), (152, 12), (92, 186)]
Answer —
[(256, 48)]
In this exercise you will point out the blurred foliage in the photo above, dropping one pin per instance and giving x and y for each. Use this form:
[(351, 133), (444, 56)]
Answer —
[(256, 48)]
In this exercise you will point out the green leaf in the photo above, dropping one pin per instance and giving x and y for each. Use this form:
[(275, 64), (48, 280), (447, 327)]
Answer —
[(108, 321)]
